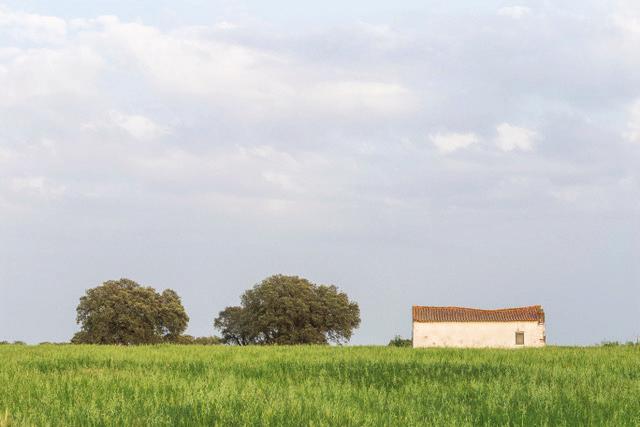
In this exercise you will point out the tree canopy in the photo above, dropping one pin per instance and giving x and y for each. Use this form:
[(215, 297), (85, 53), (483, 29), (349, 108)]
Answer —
[(398, 341), (289, 310), (124, 312)]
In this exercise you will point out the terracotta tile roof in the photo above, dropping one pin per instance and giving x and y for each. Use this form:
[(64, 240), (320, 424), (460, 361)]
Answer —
[(533, 313)]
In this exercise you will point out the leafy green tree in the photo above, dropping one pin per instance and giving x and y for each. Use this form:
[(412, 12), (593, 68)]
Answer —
[(234, 323), (289, 310), (124, 312), (398, 341)]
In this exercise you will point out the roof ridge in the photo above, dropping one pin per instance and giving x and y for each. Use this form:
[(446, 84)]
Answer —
[(426, 313), (477, 309)]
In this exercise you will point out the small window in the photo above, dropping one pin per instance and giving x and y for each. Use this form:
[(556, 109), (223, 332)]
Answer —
[(519, 338)]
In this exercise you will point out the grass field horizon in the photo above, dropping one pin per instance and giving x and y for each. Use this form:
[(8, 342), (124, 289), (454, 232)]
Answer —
[(318, 385)]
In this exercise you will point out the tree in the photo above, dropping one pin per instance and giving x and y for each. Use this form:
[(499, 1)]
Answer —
[(234, 325), (398, 341), (124, 312), (289, 310)]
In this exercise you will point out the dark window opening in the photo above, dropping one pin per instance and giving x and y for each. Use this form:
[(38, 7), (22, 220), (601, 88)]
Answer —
[(519, 338)]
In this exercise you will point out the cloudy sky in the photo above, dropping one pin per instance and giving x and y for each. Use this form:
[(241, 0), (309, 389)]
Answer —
[(409, 152)]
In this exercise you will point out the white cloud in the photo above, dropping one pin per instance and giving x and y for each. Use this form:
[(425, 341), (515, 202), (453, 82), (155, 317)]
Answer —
[(598, 196), (247, 169), (44, 72), (247, 109), (515, 12), (225, 26), (35, 28), (282, 181), (358, 97), (381, 36), (633, 125), (36, 186), (248, 81), (450, 142), (626, 16), (512, 138), (627, 23), (138, 126), (6, 155), (185, 64)]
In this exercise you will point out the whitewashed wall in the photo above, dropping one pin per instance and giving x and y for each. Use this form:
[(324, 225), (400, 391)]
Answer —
[(477, 334)]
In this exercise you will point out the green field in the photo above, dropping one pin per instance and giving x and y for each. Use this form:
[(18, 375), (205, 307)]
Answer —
[(219, 385)]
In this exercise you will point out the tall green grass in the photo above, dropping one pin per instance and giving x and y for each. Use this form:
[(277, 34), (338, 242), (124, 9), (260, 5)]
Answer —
[(197, 385)]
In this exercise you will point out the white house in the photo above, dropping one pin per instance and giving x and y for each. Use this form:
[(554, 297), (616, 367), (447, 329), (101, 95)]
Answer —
[(472, 327)]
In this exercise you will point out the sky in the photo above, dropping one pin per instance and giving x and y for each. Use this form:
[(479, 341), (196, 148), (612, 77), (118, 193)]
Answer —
[(482, 154)]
